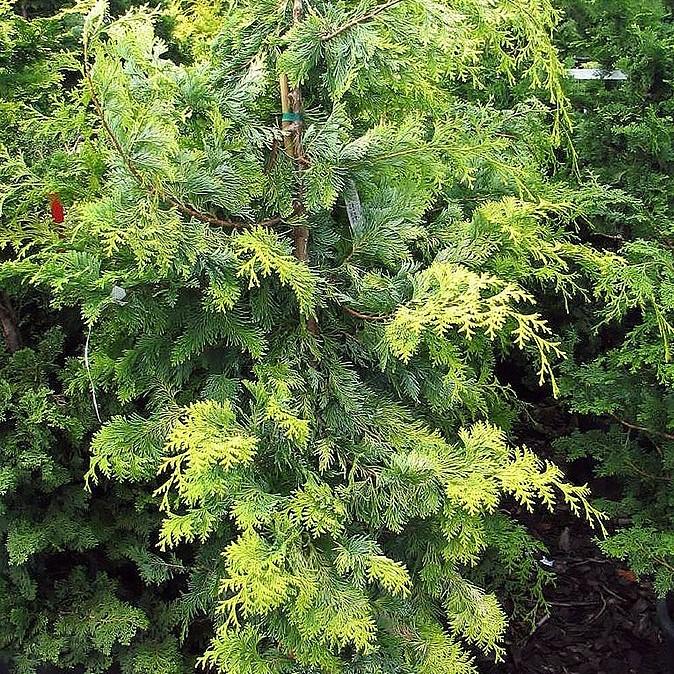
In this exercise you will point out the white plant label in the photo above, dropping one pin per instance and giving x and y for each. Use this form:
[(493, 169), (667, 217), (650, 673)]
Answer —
[(596, 74), (118, 293), (354, 209)]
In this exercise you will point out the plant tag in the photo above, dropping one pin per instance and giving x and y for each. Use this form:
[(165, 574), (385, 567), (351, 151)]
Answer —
[(56, 208), (597, 74), (118, 293), (354, 209)]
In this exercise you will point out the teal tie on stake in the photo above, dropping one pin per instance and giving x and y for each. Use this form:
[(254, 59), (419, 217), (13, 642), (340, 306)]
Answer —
[(291, 117)]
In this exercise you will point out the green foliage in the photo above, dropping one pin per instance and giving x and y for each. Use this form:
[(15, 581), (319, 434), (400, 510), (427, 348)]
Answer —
[(303, 461), (70, 562), (621, 378), (63, 577)]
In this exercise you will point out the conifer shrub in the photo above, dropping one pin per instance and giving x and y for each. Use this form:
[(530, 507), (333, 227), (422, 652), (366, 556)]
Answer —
[(78, 572), (298, 252), (621, 380)]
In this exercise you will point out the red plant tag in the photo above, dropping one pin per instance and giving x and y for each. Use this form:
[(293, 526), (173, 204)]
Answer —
[(56, 208)]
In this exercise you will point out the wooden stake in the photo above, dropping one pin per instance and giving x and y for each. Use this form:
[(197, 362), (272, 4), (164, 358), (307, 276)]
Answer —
[(291, 102), (285, 109)]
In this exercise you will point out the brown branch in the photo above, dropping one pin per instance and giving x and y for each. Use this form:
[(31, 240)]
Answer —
[(8, 324), (291, 102), (360, 19), (138, 177), (643, 429), (364, 317), (612, 237), (286, 107), (647, 475)]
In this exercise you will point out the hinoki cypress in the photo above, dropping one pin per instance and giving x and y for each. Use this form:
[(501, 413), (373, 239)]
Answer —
[(326, 244)]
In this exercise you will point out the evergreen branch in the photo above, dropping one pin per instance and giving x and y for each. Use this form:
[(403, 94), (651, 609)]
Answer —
[(138, 177), (643, 429), (360, 19)]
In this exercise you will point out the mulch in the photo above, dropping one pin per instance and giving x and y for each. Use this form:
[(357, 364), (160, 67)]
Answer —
[(601, 617), (601, 620)]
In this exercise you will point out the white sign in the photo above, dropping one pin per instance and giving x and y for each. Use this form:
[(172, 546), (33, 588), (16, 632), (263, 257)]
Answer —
[(596, 74)]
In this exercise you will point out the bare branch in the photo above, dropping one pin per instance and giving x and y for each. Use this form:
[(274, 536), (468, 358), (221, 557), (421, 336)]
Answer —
[(291, 106), (364, 317), (643, 429)]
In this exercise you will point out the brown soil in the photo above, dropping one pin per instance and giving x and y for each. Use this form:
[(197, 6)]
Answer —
[(601, 621), (602, 618)]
